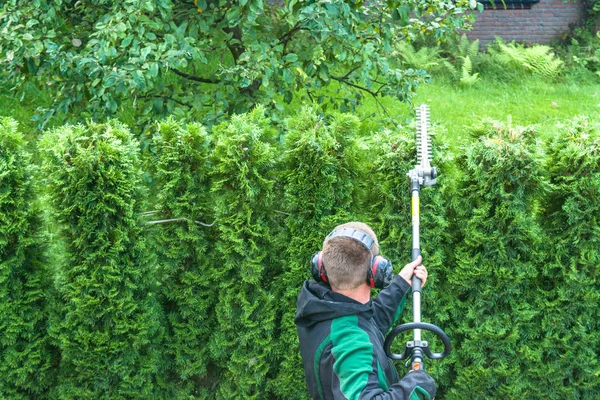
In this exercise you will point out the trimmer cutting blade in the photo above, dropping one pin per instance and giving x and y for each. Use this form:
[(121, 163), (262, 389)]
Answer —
[(426, 172)]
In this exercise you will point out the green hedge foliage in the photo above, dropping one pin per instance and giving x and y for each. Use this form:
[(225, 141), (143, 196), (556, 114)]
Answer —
[(493, 282), (26, 356), (318, 172), (570, 281), (243, 174), (183, 285), (108, 329), (182, 242)]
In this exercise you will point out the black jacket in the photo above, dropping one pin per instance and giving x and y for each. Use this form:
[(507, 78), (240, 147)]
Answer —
[(341, 342)]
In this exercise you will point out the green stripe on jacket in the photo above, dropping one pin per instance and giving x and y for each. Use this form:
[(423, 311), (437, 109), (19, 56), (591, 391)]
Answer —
[(353, 353), (419, 394)]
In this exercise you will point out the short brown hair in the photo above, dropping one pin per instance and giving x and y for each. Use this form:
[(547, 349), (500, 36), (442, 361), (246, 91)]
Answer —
[(346, 260)]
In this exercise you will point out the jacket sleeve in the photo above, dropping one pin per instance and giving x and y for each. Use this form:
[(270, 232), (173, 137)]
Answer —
[(357, 374), (364, 384), (389, 303)]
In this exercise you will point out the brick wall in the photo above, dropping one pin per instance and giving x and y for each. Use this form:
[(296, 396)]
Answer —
[(544, 22)]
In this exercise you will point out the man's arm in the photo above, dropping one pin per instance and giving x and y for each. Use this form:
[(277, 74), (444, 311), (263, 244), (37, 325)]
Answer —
[(390, 301), (357, 373)]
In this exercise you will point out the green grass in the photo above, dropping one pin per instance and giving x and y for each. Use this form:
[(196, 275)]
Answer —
[(530, 101), (12, 106), (527, 100), (22, 107)]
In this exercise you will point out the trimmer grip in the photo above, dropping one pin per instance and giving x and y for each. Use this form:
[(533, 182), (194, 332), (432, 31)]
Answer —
[(416, 282)]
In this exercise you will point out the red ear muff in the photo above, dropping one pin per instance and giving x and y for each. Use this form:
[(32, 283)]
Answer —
[(373, 272), (381, 273), (318, 269)]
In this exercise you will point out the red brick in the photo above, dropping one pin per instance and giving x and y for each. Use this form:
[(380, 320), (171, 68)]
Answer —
[(545, 21)]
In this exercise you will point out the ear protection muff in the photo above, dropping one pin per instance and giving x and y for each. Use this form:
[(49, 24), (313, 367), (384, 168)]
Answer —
[(380, 272), (318, 270)]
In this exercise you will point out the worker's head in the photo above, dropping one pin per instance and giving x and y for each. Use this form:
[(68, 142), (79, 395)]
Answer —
[(349, 257)]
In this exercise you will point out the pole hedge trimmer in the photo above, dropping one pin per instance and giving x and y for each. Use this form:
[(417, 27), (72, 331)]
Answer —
[(422, 175)]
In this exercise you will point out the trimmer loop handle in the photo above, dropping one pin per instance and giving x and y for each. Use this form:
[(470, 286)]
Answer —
[(415, 348)]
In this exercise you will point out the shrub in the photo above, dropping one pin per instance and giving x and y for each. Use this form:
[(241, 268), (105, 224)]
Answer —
[(108, 328), (491, 292), (583, 50), (183, 244), (243, 171), (570, 282), (511, 244), (26, 357)]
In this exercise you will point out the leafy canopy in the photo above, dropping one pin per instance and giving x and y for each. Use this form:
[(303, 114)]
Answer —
[(208, 58)]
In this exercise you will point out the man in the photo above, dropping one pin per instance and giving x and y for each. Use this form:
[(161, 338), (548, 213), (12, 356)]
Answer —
[(341, 329)]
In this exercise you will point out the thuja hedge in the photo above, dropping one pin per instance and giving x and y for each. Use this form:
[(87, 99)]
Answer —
[(184, 253), (570, 212), (497, 253), (108, 328), (26, 354), (183, 285)]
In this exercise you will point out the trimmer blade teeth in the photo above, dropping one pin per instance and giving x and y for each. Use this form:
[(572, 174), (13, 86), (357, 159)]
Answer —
[(423, 138)]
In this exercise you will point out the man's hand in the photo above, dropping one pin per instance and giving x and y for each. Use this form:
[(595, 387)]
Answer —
[(415, 268)]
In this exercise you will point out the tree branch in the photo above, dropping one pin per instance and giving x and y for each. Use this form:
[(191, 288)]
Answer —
[(193, 77), (181, 103), (350, 72), (283, 39), (345, 81), (166, 221)]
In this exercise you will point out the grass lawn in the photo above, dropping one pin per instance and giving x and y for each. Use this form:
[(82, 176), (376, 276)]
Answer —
[(525, 101)]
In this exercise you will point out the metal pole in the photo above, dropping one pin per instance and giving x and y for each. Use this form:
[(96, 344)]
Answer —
[(416, 252)]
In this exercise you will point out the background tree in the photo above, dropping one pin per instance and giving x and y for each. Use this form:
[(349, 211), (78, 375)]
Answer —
[(214, 57)]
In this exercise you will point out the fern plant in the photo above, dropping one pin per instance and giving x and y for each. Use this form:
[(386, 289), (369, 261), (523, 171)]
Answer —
[(424, 58), (460, 55), (467, 78), (464, 74), (463, 47), (539, 59)]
